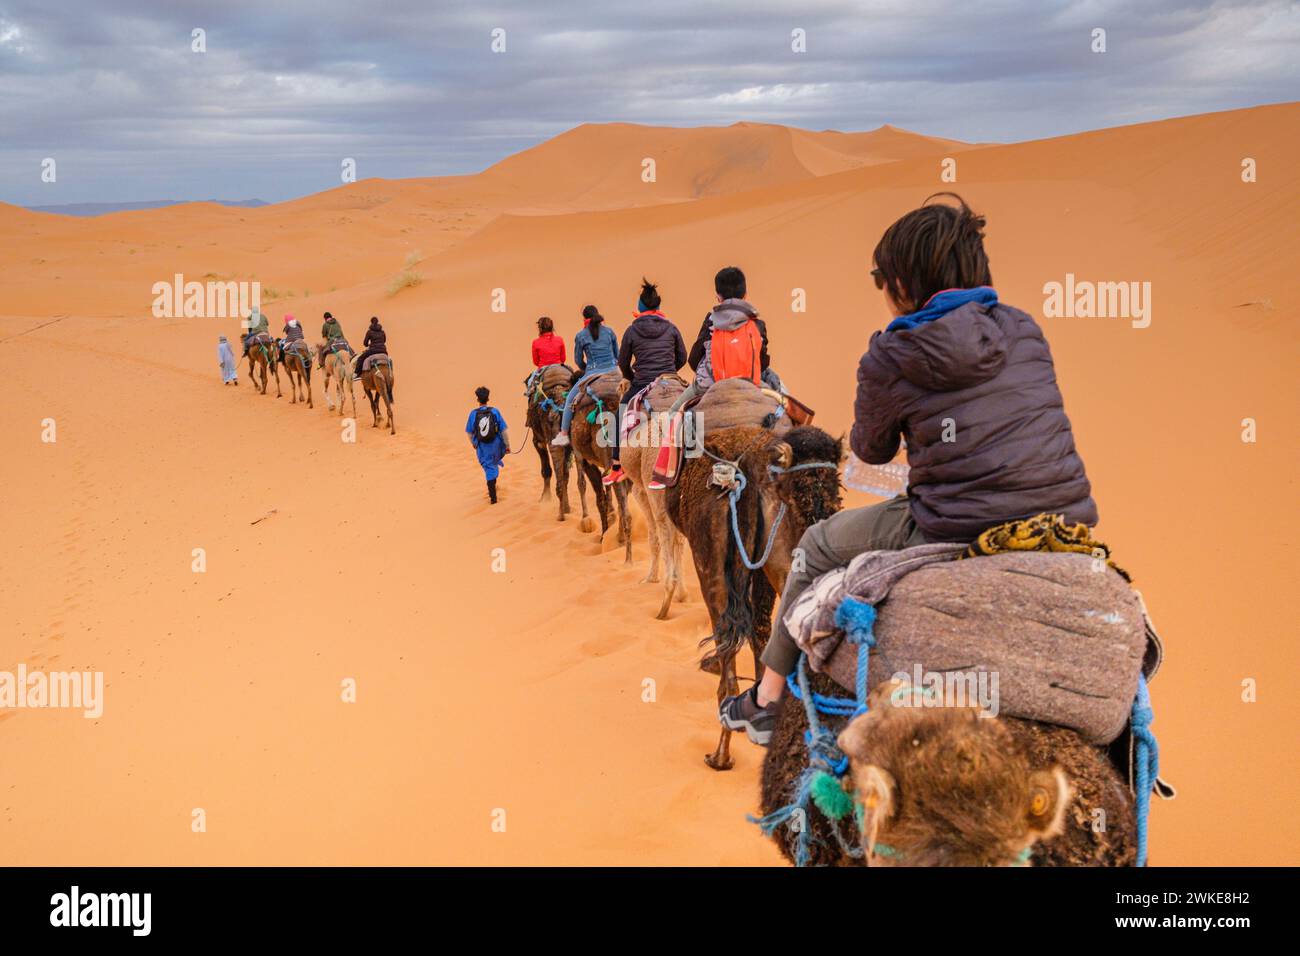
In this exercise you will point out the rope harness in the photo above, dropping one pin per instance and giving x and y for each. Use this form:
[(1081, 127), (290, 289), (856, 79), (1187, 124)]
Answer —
[(1147, 758), (820, 782), (729, 476), (827, 764)]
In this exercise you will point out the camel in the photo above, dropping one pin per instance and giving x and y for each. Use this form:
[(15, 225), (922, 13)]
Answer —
[(945, 786), (665, 540), (338, 368), (543, 421), (593, 444), (262, 354), (741, 601), (297, 364), (377, 381)]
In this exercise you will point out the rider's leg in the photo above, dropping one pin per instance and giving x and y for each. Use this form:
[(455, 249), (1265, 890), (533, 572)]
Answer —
[(827, 545), (566, 415)]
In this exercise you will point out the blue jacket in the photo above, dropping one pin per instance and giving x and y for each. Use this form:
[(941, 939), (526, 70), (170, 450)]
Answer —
[(596, 355)]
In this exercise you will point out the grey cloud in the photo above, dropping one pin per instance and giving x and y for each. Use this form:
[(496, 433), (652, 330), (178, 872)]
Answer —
[(408, 88)]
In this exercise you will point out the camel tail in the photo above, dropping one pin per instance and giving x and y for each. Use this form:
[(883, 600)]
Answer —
[(737, 623)]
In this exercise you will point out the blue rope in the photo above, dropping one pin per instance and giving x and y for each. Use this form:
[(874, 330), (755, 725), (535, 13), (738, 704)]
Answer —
[(857, 619), (1147, 755), (835, 706), (778, 470), (738, 488), (732, 497)]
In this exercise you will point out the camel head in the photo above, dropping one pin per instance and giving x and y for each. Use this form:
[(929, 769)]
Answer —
[(944, 786), (812, 494)]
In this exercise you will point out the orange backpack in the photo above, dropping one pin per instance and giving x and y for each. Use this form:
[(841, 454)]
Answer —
[(737, 353)]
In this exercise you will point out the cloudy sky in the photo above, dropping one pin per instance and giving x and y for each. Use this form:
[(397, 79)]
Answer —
[(112, 90)]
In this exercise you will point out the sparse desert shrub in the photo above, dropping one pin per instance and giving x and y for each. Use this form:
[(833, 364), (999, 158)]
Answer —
[(408, 276), (405, 278)]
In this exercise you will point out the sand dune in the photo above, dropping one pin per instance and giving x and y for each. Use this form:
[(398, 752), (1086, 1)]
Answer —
[(523, 690)]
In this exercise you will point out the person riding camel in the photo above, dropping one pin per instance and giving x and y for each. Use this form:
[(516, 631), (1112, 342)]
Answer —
[(256, 325), (730, 287), (732, 344), (292, 333), (548, 348), (652, 347), (375, 342), (332, 334), (595, 349), (970, 383)]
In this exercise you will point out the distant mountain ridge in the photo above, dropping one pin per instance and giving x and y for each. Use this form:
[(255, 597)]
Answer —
[(102, 208)]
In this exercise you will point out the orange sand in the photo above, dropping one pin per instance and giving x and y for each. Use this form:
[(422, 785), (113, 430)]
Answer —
[(523, 690)]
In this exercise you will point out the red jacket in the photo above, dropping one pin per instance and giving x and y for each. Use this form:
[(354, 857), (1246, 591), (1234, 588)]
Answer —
[(548, 349)]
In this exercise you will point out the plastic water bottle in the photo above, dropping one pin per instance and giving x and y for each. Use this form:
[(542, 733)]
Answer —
[(886, 481)]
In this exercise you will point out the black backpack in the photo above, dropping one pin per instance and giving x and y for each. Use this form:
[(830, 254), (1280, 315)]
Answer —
[(485, 426)]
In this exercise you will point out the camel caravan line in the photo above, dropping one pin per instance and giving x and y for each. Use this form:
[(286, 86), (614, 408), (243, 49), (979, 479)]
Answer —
[(266, 356), (867, 765)]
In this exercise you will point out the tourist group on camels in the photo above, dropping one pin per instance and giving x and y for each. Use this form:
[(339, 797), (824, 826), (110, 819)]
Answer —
[(333, 356), (956, 676)]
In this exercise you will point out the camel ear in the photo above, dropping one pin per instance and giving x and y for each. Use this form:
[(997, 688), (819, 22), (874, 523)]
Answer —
[(875, 792), (1049, 795), (782, 454), (839, 450)]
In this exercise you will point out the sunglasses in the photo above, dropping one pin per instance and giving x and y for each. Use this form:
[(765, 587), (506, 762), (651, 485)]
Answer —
[(879, 277)]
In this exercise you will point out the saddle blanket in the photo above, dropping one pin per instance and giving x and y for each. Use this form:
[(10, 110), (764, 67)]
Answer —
[(738, 401), (605, 387), (1063, 634)]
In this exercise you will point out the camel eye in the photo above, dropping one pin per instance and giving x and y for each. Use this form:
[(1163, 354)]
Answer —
[(1038, 805)]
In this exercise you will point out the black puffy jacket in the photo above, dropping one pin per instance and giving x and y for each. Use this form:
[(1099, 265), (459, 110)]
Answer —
[(651, 347), (974, 393)]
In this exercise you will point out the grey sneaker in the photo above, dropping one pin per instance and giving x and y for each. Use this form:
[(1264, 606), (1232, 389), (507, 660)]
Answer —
[(743, 713), (560, 439)]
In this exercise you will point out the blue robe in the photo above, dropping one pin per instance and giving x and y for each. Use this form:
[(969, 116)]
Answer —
[(491, 453)]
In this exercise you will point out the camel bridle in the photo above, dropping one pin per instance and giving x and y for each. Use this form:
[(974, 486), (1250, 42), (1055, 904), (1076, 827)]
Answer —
[(729, 476)]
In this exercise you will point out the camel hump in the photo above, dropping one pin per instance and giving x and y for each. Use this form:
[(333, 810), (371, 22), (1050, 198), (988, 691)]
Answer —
[(738, 401), (556, 376), (605, 386), (659, 397), (1065, 637)]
